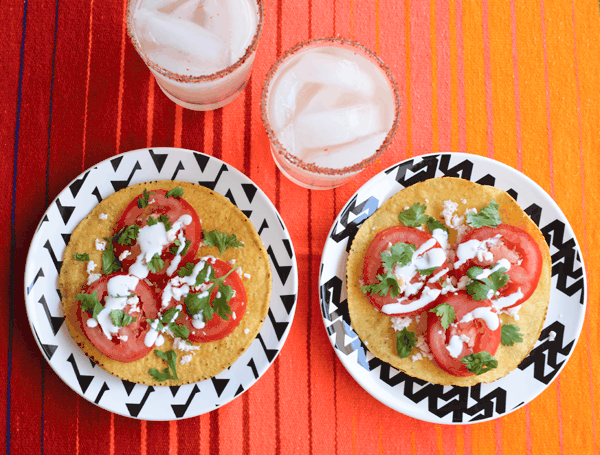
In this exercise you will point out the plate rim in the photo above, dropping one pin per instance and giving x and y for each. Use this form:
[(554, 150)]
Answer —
[(364, 380), (293, 277)]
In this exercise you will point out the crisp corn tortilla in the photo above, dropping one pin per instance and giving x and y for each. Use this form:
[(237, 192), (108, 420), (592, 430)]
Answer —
[(215, 212), (375, 328)]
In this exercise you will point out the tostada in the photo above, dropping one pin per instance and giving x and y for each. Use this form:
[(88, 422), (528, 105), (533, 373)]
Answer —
[(449, 281), (165, 283)]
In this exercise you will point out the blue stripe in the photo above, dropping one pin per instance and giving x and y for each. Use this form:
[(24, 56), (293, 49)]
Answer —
[(47, 197), (13, 240)]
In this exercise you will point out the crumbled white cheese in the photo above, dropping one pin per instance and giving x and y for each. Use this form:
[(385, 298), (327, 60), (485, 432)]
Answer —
[(181, 345), (91, 266), (93, 277), (552, 336), (247, 276), (512, 311), (100, 245), (246, 331), (399, 323), (417, 356), (232, 262), (123, 337), (185, 359), (124, 254), (234, 315), (103, 216)]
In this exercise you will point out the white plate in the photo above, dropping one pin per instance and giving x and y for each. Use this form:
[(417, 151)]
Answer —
[(43, 300), (450, 404)]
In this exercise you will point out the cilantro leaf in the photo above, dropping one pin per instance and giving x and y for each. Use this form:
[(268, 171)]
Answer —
[(110, 263), (400, 253), (510, 335), (405, 341), (144, 198), (171, 358), (388, 283), (180, 331), (220, 303), (446, 314), (121, 319), (480, 289), (479, 362), (164, 219), (427, 272), (413, 217), (156, 263), (186, 270), (176, 192), (221, 240), (127, 235), (169, 316), (151, 221), (195, 302), (186, 247), (434, 224), (90, 303), (82, 257), (488, 216)]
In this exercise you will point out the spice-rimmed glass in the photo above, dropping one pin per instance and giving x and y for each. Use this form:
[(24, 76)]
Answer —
[(330, 107), (199, 92)]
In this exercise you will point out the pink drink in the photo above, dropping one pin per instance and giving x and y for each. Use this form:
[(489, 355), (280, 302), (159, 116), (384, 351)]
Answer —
[(200, 51), (330, 108)]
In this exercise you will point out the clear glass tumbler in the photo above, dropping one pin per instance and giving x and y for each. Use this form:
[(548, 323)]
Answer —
[(200, 51), (331, 108)]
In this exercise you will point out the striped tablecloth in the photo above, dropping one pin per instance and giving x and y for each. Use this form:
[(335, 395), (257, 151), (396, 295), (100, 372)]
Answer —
[(517, 81)]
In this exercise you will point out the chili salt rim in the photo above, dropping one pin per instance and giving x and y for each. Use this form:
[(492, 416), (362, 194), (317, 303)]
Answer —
[(292, 159), (207, 77)]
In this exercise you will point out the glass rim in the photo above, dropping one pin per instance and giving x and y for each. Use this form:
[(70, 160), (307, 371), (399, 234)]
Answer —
[(313, 168), (206, 77)]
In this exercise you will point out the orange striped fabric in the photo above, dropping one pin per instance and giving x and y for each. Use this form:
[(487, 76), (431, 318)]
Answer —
[(516, 81)]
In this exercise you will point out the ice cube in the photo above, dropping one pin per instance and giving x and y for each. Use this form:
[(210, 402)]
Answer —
[(170, 33), (187, 10), (242, 25), (345, 155), (282, 100), (155, 5), (324, 99), (331, 70), (337, 126)]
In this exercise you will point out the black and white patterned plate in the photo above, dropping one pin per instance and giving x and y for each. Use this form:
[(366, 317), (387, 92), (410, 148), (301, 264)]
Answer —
[(43, 299), (451, 404)]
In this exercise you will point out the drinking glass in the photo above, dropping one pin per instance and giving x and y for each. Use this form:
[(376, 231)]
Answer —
[(200, 51), (331, 108)]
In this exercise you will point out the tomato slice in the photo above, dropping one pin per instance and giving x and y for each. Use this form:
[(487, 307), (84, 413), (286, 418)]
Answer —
[(516, 246), (481, 337), (216, 328), (128, 344), (159, 204), (373, 267)]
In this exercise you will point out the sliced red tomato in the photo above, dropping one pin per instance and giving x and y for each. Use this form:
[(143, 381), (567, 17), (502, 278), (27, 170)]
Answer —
[(159, 204), (481, 338), (118, 349), (216, 328), (516, 246), (373, 267)]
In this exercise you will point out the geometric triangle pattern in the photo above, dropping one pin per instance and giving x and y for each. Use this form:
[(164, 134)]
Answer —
[(43, 300), (446, 404)]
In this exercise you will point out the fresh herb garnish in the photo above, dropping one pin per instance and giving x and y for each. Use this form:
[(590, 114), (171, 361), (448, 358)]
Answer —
[(110, 263), (434, 224), (164, 219), (82, 257), (144, 198), (479, 362), (480, 289), (186, 270), (171, 358), (186, 248), (221, 240), (200, 301), (405, 341), (446, 314), (179, 331), (127, 235), (413, 217), (90, 303), (488, 216), (387, 284), (510, 334), (121, 319), (156, 263), (400, 253), (151, 221), (176, 192), (427, 272)]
